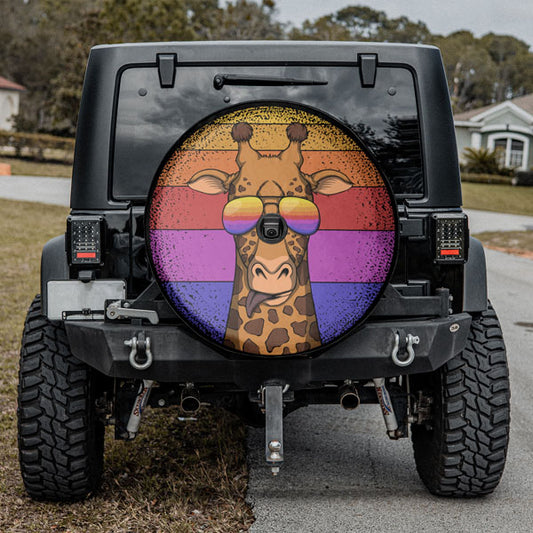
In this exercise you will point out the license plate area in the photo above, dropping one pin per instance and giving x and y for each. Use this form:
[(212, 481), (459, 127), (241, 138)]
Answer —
[(76, 300)]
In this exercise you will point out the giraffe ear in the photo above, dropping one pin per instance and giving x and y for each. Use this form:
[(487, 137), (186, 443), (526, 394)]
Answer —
[(210, 181), (329, 182)]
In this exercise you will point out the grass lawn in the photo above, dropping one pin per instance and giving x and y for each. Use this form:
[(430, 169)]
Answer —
[(175, 477), (24, 167), (500, 198), (515, 242)]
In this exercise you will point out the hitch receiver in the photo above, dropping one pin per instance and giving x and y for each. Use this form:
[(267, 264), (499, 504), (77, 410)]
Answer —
[(272, 399)]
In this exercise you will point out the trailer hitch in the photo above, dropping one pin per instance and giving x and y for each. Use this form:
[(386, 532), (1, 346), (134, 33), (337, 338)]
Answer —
[(271, 401)]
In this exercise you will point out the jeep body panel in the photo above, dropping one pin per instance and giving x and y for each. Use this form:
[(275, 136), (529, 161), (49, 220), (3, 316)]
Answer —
[(92, 186)]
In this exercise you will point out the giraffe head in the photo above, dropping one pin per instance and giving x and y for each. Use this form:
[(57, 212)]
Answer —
[(270, 212)]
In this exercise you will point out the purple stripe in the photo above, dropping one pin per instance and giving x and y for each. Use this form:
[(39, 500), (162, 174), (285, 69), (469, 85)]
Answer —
[(193, 255), (350, 256)]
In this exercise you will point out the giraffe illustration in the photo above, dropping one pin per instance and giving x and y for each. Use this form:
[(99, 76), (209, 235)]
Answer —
[(272, 310)]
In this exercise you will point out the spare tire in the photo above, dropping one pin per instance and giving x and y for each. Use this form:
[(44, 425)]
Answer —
[(270, 229)]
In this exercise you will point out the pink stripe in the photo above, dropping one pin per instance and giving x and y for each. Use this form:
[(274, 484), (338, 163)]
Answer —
[(334, 256), (350, 256), (193, 255)]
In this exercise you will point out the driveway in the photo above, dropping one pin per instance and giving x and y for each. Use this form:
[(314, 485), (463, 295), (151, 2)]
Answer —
[(342, 474), (488, 221), (54, 191)]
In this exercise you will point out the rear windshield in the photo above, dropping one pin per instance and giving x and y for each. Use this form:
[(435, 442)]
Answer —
[(150, 120)]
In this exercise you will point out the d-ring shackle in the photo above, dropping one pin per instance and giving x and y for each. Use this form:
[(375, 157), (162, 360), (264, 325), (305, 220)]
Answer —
[(410, 340), (139, 345)]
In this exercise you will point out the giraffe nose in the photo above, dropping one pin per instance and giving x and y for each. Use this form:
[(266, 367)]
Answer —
[(271, 277)]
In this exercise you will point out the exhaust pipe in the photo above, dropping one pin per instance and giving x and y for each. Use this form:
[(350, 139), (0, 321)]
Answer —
[(190, 399), (349, 397)]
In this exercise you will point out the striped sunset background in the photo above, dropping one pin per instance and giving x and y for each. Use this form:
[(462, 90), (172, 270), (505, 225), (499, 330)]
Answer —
[(350, 255)]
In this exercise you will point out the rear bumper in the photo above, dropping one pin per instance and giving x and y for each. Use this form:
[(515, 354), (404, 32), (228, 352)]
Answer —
[(180, 356)]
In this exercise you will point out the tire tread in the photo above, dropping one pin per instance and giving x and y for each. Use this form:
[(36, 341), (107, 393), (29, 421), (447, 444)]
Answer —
[(60, 439), (464, 454)]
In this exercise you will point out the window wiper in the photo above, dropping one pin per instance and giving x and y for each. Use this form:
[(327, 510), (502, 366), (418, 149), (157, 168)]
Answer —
[(236, 79)]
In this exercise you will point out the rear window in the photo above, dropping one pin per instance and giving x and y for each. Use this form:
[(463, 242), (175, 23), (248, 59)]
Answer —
[(149, 119)]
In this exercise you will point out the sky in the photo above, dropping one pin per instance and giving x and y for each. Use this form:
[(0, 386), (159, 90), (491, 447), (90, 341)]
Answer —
[(504, 17)]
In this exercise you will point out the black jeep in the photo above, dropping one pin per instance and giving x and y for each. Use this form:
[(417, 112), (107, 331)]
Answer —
[(264, 226)]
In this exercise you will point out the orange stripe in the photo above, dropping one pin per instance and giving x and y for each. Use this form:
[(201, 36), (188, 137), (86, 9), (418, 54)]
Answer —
[(354, 164)]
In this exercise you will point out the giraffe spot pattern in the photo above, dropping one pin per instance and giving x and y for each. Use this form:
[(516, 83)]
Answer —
[(288, 310), (273, 316), (300, 328), (255, 327), (278, 337), (313, 331), (303, 346), (250, 346), (234, 320), (237, 283), (304, 305)]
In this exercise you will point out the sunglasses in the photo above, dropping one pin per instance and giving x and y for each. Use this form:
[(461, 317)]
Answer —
[(242, 214)]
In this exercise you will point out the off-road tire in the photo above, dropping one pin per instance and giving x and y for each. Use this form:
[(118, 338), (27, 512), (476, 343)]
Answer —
[(59, 435), (462, 452)]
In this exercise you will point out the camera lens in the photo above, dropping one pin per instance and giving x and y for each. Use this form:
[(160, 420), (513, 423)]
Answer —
[(271, 228)]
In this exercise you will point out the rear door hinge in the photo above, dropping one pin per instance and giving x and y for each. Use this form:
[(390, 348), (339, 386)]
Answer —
[(166, 67), (368, 64)]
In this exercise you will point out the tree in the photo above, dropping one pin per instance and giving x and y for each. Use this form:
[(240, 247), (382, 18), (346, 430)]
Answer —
[(513, 62), (247, 20), (403, 30), (46, 44), (362, 23), (469, 69)]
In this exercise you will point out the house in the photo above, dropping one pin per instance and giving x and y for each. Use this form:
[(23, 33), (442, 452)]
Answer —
[(9, 102), (506, 127)]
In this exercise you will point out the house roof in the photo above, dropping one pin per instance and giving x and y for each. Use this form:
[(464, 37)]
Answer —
[(523, 102), (10, 85)]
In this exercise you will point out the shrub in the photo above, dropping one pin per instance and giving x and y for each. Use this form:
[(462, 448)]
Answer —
[(484, 161), (37, 146)]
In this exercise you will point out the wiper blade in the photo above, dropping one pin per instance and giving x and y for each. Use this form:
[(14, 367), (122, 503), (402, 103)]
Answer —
[(236, 79)]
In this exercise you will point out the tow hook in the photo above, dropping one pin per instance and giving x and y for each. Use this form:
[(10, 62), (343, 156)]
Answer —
[(403, 344), (140, 354)]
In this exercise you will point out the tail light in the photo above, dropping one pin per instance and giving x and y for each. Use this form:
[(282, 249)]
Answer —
[(450, 232), (84, 240)]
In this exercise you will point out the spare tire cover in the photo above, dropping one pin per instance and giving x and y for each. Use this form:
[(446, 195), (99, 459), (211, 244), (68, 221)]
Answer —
[(270, 230)]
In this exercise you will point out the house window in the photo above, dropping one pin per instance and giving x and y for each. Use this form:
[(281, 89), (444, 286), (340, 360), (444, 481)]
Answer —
[(500, 147), (511, 152), (517, 153)]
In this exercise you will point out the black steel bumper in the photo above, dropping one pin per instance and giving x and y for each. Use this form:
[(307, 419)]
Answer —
[(179, 356)]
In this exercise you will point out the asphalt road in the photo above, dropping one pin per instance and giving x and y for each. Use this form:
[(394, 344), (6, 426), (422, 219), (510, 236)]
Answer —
[(342, 474), (54, 191)]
